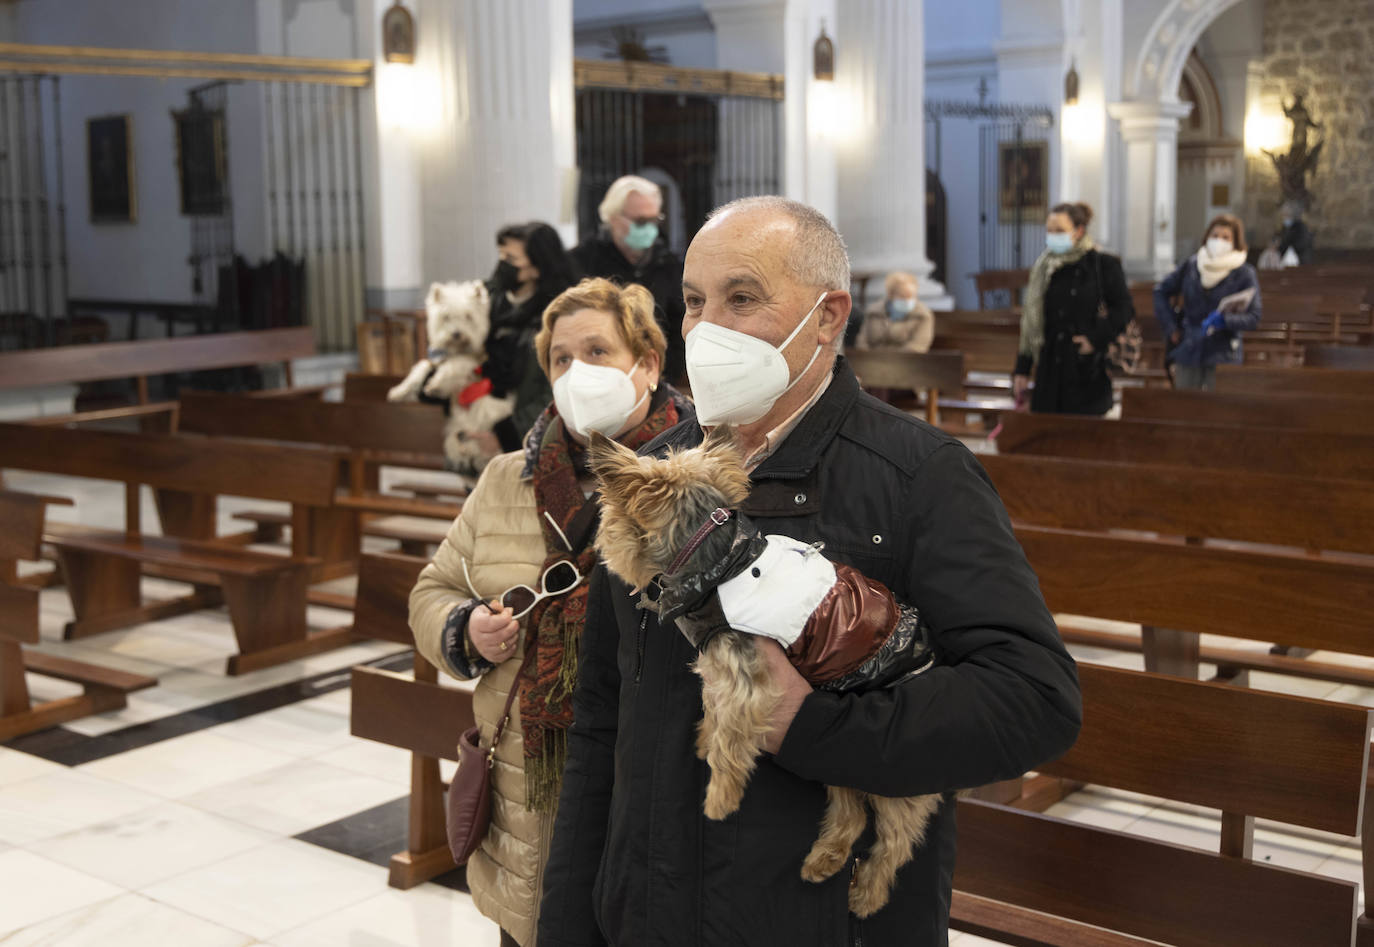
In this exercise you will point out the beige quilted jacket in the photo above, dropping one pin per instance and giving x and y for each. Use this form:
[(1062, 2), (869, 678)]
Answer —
[(498, 534)]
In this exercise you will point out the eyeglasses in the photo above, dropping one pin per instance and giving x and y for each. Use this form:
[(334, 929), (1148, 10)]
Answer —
[(559, 578), (641, 221)]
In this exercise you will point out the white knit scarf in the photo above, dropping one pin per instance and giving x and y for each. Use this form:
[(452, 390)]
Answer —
[(1215, 269)]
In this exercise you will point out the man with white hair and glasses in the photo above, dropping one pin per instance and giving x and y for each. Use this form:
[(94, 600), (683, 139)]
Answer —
[(634, 859), (629, 248)]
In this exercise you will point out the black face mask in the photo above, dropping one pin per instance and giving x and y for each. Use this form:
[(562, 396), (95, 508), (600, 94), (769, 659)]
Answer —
[(506, 277)]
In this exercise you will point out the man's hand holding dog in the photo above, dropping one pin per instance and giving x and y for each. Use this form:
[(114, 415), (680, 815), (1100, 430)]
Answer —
[(794, 691), (494, 632)]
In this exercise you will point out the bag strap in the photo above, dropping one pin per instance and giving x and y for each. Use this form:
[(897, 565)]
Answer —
[(510, 701)]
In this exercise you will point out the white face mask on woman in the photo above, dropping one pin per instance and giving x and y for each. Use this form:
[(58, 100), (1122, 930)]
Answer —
[(1218, 247), (737, 378), (597, 398)]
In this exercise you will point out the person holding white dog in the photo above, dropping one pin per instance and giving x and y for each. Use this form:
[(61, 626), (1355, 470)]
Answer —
[(634, 858)]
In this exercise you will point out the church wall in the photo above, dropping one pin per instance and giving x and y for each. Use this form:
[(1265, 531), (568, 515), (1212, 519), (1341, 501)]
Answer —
[(1323, 48)]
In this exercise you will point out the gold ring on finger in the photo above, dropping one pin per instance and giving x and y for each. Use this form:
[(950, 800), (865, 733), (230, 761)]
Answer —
[(505, 645)]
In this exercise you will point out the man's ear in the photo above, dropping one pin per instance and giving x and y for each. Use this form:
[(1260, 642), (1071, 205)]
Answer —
[(834, 315)]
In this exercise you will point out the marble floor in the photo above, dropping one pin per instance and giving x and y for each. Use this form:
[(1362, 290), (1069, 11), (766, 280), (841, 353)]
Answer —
[(226, 811)]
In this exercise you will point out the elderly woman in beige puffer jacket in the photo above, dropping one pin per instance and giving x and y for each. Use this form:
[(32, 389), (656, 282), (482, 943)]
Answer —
[(532, 514), (899, 321)]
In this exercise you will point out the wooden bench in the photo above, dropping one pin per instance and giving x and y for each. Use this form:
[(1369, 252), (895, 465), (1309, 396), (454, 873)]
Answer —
[(1329, 413), (102, 689), (414, 713), (1033, 879), (266, 594), (910, 372), (138, 360), (360, 387), (1219, 446), (1012, 282), (1244, 379), (1349, 357)]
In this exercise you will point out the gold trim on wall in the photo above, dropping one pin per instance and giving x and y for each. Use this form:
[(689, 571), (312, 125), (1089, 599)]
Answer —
[(653, 77), (166, 64)]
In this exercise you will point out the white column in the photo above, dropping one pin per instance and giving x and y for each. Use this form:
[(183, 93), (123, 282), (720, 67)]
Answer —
[(497, 141), (1149, 131), (880, 147)]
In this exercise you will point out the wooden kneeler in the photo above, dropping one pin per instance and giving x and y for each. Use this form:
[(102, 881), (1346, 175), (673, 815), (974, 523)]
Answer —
[(103, 689), (415, 714)]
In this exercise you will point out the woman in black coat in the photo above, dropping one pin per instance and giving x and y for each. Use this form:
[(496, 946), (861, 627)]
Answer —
[(1077, 303), (533, 269)]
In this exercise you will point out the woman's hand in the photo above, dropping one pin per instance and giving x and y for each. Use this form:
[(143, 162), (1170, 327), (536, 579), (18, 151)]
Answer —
[(1084, 346), (1020, 384), (493, 632)]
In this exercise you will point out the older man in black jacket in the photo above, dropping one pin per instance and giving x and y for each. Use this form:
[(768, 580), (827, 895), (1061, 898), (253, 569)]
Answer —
[(634, 861)]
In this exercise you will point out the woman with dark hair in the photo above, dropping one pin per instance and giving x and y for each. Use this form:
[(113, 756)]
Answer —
[(532, 270), (1076, 304), (1220, 299)]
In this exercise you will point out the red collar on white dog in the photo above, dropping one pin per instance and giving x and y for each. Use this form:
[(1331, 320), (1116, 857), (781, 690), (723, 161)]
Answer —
[(718, 517)]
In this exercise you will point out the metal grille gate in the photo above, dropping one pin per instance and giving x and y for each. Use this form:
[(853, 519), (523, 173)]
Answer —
[(33, 246), (704, 136)]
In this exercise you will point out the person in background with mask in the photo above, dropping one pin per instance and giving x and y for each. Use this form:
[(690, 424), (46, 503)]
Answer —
[(629, 248), (1221, 299), (526, 530), (1076, 304), (899, 320), (634, 859), (533, 268), (1295, 239)]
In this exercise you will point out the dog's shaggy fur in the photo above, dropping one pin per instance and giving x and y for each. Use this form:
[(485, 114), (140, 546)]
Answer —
[(457, 319), (650, 508)]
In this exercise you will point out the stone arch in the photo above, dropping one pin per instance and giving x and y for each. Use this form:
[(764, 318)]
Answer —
[(1168, 44), (1204, 123)]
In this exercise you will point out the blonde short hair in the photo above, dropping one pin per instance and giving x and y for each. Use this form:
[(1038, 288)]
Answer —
[(632, 308), (620, 191), (896, 278)]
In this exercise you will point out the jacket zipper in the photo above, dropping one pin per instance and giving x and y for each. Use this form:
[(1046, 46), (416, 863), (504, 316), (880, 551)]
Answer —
[(856, 930), (639, 645)]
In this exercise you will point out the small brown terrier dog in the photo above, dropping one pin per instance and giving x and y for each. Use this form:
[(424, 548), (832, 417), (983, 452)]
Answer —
[(650, 510)]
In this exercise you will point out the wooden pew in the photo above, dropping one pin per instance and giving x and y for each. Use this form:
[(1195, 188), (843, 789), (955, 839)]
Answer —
[(1329, 413), (1244, 379), (360, 387), (266, 594), (374, 433), (1217, 446), (1028, 878), (1348, 357), (414, 713), (138, 360), (935, 372), (102, 689), (1013, 282)]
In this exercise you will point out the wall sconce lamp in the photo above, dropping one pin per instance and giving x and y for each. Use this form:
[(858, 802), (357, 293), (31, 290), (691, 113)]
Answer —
[(823, 57), (398, 34), (1071, 85)]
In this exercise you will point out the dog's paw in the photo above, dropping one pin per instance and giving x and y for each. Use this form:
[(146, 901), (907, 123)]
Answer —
[(822, 863), (720, 800), (867, 894)]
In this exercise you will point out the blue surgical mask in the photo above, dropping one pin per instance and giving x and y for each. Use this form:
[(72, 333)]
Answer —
[(641, 236), (1059, 242), (899, 309)]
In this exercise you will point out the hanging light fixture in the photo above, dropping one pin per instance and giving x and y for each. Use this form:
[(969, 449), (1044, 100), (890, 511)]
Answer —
[(398, 34), (1071, 85), (823, 57)]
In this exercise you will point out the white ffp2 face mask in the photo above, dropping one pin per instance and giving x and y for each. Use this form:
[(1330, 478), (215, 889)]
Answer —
[(597, 398), (1218, 247), (737, 378)]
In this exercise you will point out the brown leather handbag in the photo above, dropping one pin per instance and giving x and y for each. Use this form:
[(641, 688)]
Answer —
[(468, 808)]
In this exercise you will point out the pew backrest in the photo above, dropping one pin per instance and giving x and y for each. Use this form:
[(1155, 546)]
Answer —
[(887, 368), (1214, 446), (1309, 380), (1329, 413), (298, 473)]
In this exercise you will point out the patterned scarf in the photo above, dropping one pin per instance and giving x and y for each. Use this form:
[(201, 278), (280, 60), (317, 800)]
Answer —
[(1033, 303), (546, 685)]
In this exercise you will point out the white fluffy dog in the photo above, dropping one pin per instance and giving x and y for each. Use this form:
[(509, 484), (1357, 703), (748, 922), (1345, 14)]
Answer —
[(457, 319)]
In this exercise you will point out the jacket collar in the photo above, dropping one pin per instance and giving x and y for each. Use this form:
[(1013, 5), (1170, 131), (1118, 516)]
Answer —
[(801, 450)]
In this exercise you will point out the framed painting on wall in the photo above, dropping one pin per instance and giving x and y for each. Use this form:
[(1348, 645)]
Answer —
[(1023, 180), (110, 169), (202, 166)]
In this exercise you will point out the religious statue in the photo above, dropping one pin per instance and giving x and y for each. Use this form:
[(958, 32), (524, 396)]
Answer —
[(1294, 166)]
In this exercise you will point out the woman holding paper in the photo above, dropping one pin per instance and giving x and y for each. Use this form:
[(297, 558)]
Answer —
[(1220, 298)]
